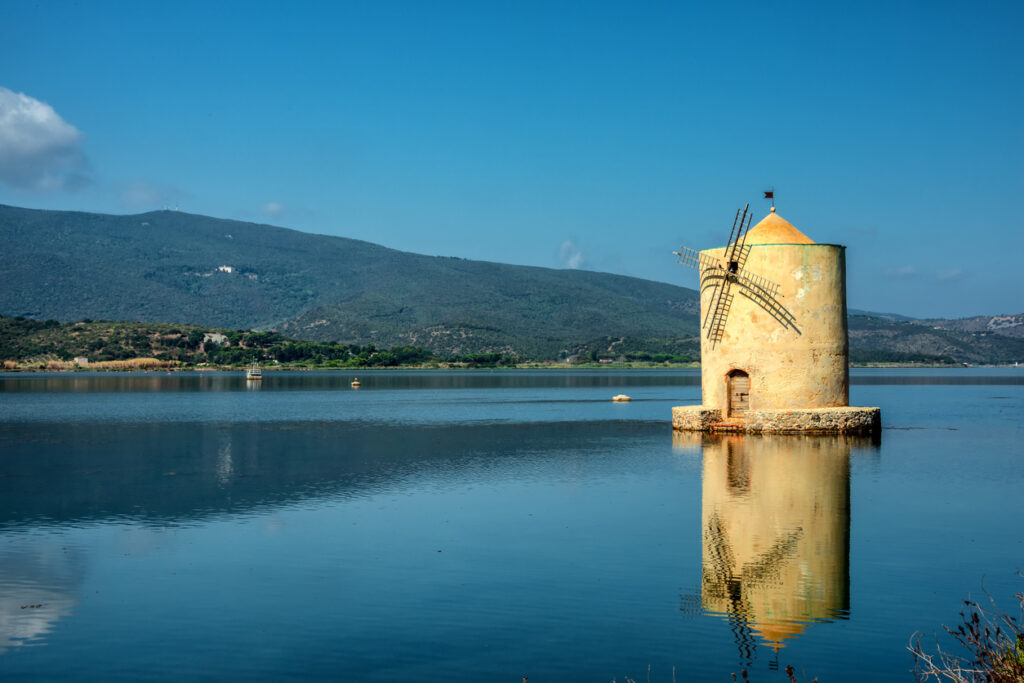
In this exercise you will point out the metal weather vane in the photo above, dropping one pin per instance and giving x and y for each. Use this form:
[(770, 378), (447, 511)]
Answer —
[(723, 273)]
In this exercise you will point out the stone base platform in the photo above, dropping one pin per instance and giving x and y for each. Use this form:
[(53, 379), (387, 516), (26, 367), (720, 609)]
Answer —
[(843, 420)]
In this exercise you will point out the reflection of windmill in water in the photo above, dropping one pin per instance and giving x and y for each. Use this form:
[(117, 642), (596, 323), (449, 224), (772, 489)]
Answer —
[(775, 535), (723, 582)]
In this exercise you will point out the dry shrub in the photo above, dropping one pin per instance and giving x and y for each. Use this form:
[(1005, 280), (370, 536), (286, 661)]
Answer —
[(56, 365), (132, 364), (993, 639)]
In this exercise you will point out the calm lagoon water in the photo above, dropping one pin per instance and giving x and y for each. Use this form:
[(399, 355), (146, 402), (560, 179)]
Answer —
[(482, 526)]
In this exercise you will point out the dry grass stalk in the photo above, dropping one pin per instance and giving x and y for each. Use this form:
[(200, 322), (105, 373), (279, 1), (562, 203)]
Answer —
[(993, 638)]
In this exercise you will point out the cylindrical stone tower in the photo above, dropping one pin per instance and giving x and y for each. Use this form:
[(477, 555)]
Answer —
[(795, 353)]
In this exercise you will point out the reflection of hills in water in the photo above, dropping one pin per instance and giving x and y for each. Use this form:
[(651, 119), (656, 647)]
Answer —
[(775, 533), (180, 472)]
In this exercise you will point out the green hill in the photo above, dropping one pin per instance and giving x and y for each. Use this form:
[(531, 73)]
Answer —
[(182, 268)]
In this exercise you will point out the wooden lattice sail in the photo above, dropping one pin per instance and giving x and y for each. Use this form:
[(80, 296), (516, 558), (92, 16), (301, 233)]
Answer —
[(723, 273)]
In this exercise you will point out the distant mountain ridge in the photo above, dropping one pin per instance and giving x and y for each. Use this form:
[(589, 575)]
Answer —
[(880, 339), (893, 317), (167, 266), (1003, 325)]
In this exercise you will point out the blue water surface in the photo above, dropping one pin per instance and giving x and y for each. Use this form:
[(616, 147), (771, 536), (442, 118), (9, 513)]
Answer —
[(483, 526)]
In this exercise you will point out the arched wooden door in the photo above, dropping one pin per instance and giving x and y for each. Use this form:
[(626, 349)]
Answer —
[(739, 393)]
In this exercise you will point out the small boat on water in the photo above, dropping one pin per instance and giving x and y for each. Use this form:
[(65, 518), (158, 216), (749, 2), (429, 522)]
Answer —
[(356, 383), (254, 372), (621, 398)]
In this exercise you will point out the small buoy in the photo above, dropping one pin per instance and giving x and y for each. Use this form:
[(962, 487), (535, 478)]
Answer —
[(621, 398), (355, 382)]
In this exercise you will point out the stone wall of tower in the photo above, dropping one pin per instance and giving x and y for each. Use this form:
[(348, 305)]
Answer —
[(803, 365)]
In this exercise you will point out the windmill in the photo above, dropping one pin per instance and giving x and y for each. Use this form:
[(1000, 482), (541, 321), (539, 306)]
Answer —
[(723, 273), (774, 345)]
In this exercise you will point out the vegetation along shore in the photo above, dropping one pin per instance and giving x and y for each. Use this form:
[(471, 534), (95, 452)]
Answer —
[(49, 345), (27, 344)]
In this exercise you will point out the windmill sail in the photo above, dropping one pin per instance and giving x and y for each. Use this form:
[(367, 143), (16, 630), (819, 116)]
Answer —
[(695, 259), (718, 312), (722, 273)]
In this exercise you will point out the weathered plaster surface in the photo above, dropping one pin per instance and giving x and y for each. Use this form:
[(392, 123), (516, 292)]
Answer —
[(801, 365)]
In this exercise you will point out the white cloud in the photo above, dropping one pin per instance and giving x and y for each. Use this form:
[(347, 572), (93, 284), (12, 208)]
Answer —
[(951, 274), (143, 195), (38, 149), (906, 271), (273, 208), (570, 256)]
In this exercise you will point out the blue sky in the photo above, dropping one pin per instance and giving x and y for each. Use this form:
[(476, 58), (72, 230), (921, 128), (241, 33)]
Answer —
[(584, 134)]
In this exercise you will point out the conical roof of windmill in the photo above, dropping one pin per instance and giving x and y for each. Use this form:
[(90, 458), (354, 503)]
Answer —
[(774, 229)]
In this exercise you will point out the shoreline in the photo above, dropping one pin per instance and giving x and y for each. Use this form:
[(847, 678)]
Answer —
[(128, 366)]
